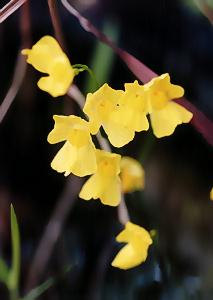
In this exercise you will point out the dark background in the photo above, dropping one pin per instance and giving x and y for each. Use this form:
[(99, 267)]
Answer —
[(169, 36)]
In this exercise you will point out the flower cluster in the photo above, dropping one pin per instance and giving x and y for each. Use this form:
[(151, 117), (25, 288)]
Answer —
[(121, 113)]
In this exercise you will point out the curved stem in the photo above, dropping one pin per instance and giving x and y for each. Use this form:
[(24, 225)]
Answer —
[(14, 88), (56, 22), (53, 229), (13, 294), (20, 68), (10, 8), (123, 214)]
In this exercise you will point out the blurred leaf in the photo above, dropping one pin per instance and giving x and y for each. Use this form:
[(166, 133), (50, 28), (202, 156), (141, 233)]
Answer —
[(36, 292), (102, 58), (148, 144), (210, 3), (191, 4), (4, 271), (13, 279), (200, 6)]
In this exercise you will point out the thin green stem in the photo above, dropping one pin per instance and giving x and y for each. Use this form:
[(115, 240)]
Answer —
[(13, 294), (81, 68)]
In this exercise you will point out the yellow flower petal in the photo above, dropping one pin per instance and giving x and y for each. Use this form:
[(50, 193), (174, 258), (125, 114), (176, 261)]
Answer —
[(61, 129), (132, 175), (165, 121), (92, 188), (77, 156), (127, 258), (111, 194), (159, 91), (135, 252), (118, 135), (136, 107), (59, 81), (136, 91), (47, 57), (124, 121), (105, 183), (71, 128), (43, 53), (211, 194), (71, 159), (134, 233), (64, 159), (139, 121), (99, 106), (107, 190), (120, 113), (85, 163)]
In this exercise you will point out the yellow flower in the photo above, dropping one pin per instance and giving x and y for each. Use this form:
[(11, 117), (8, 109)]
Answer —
[(132, 175), (136, 106), (122, 113), (211, 194), (77, 156), (117, 112), (105, 183), (47, 57), (135, 252), (165, 114)]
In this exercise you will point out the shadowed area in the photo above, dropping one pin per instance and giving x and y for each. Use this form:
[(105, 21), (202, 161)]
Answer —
[(168, 36)]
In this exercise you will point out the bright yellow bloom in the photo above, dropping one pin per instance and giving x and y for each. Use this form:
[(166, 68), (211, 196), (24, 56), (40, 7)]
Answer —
[(165, 114), (122, 113), (47, 57), (132, 175), (77, 156), (135, 105), (211, 194), (105, 183), (118, 112), (135, 252)]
